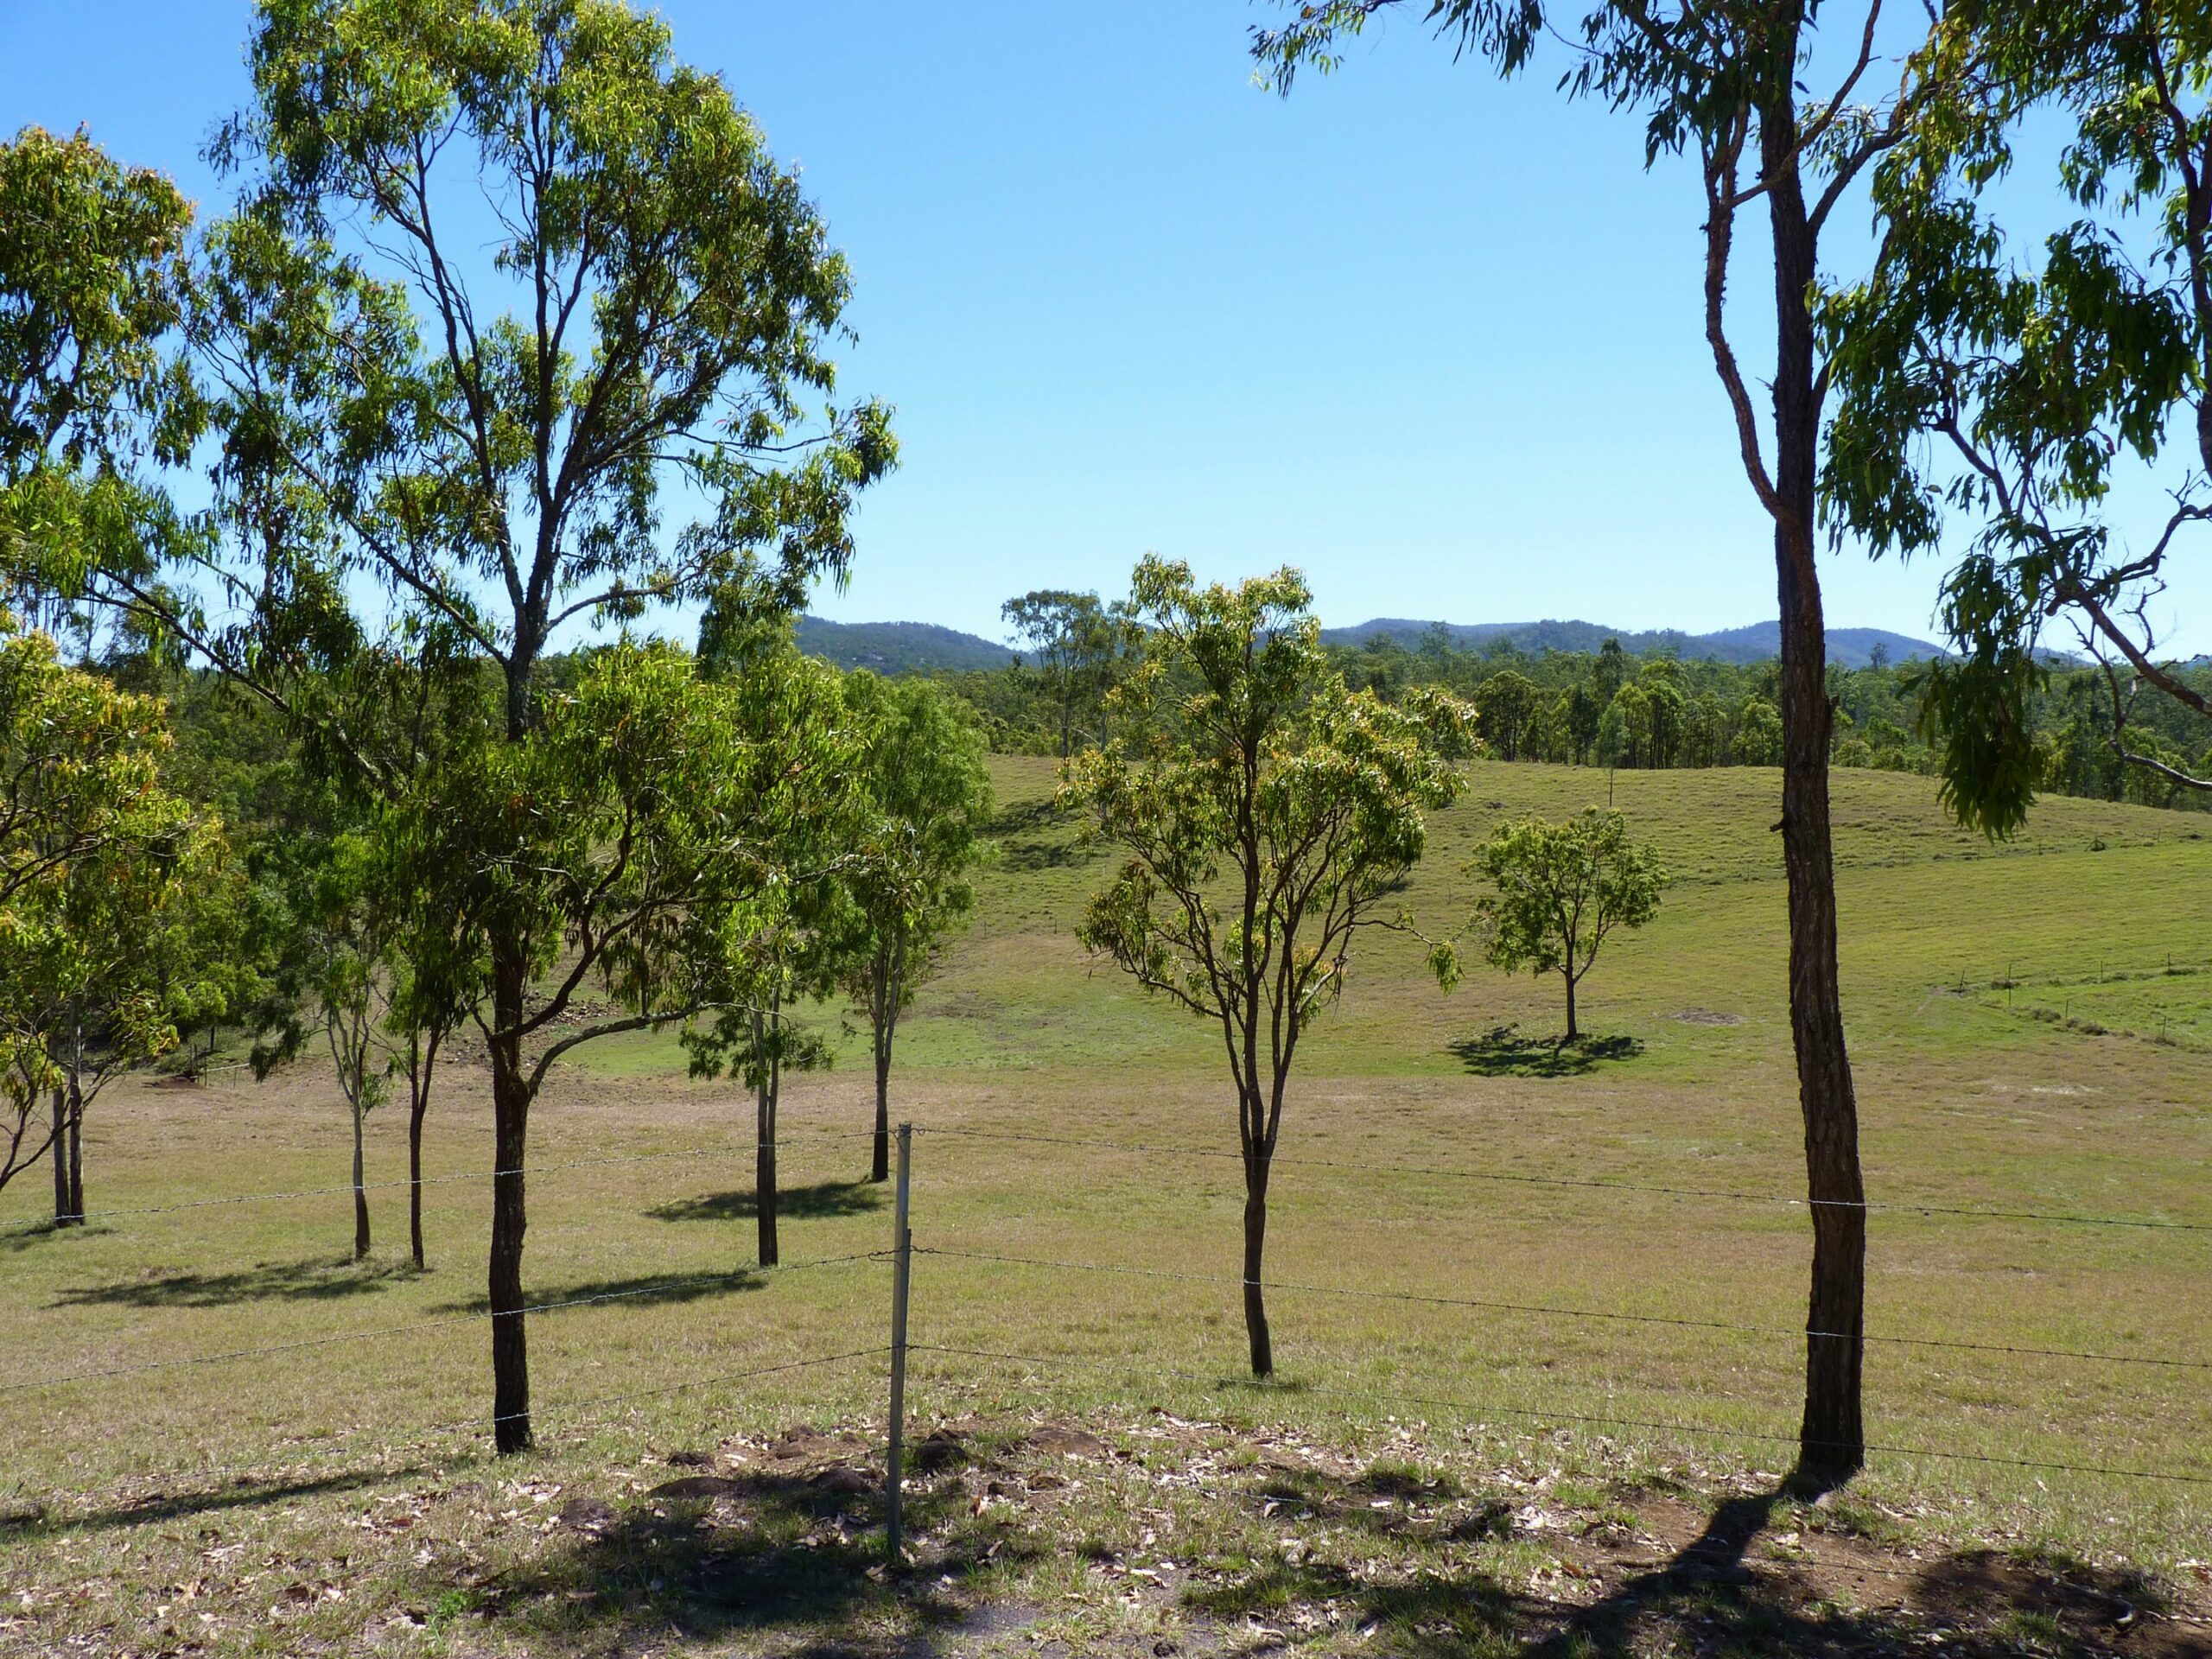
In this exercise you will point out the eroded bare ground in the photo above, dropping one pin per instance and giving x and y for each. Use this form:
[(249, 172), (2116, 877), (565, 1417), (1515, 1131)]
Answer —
[(1158, 1535)]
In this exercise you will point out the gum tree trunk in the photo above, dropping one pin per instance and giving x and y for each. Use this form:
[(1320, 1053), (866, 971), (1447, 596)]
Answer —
[(360, 1192), (510, 1094), (1832, 1437), (764, 1151), (60, 1109), (1257, 1166), (883, 1009), (1573, 1033), (879, 1165), (76, 1124), (421, 1066)]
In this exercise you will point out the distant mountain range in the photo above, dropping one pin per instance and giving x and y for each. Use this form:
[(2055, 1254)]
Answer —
[(922, 647), (898, 647), (1852, 647)]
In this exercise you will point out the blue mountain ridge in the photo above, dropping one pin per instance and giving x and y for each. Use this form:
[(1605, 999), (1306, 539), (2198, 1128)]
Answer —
[(924, 647)]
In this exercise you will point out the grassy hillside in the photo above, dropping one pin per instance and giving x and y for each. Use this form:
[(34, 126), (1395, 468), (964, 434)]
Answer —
[(1433, 1147)]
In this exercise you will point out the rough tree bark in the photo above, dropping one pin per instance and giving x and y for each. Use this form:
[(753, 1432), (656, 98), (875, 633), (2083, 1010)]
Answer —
[(1832, 1437), (764, 1151), (422, 1061), (360, 1192), (883, 1019), (59, 1103), (1258, 1161), (510, 1094)]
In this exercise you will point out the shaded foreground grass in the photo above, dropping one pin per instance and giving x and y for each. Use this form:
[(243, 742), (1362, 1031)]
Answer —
[(298, 1468)]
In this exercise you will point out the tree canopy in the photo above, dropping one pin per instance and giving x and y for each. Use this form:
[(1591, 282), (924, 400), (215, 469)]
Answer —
[(1269, 815)]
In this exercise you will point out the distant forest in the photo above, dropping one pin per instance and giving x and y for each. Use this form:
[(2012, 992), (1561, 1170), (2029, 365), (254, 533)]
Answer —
[(1611, 706)]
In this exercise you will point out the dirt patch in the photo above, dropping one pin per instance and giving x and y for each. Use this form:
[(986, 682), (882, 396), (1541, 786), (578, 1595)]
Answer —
[(1706, 1017)]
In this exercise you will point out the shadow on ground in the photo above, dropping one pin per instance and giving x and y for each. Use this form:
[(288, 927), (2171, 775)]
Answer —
[(42, 1232), (1707, 1592), (648, 1290), (314, 1279), (821, 1199), (1037, 835), (1504, 1052), (758, 1551), (239, 1492)]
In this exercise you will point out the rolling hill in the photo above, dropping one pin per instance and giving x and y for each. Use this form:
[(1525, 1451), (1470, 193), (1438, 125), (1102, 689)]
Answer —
[(898, 647), (1852, 647), (922, 647)]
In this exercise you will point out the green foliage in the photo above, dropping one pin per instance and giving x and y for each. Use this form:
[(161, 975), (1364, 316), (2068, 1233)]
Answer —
[(638, 837), (1247, 765), (1080, 651), (101, 952), (772, 950), (929, 795), (2011, 386), (1557, 891)]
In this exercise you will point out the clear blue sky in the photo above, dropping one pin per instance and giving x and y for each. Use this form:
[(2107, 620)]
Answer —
[(1433, 340)]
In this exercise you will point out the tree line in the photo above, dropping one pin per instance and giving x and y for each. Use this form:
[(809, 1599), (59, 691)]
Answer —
[(1616, 707)]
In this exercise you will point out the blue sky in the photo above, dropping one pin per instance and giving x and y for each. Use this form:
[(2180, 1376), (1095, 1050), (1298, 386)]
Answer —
[(1433, 340)]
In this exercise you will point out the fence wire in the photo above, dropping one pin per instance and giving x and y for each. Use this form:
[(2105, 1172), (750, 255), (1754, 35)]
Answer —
[(736, 1276), (1901, 1207), (1136, 1365), (1544, 1309), (728, 1150)]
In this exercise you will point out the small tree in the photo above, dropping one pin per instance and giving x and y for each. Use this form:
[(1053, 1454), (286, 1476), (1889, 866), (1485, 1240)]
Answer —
[(779, 951), (931, 795), (622, 401), (1269, 813), (89, 843), (1560, 890)]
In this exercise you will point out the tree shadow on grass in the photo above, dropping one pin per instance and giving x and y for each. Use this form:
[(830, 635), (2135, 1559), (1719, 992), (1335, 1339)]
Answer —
[(820, 1199), (13, 1239), (314, 1279), (1502, 1051), (1706, 1594), (766, 1551), (647, 1290), (241, 1492)]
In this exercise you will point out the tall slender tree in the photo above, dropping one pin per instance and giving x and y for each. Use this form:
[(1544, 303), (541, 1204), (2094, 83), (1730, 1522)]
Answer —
[(929, 795), (494, 441), (1271, 816), (1726, 82)]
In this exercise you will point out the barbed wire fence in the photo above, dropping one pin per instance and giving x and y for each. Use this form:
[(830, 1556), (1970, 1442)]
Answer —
[(902, 1250)]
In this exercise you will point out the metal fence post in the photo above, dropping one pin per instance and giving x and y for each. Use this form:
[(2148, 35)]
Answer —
[(902, 1256)]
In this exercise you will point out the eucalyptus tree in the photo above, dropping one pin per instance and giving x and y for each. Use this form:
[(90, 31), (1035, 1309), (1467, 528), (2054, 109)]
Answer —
[(2010, 385), (1557, 891), (92, 277), (779, 950), (519, 321), (1778, 130), (929, 794), (1271, 816), (94, 855), (1082, 648), (336, 980), (1506, 712)]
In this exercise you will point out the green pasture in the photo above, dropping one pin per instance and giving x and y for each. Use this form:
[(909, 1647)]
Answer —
[(1492, 1168)]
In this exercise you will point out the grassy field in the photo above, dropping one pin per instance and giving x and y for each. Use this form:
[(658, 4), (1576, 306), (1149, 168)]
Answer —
[(2031, 1025)]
